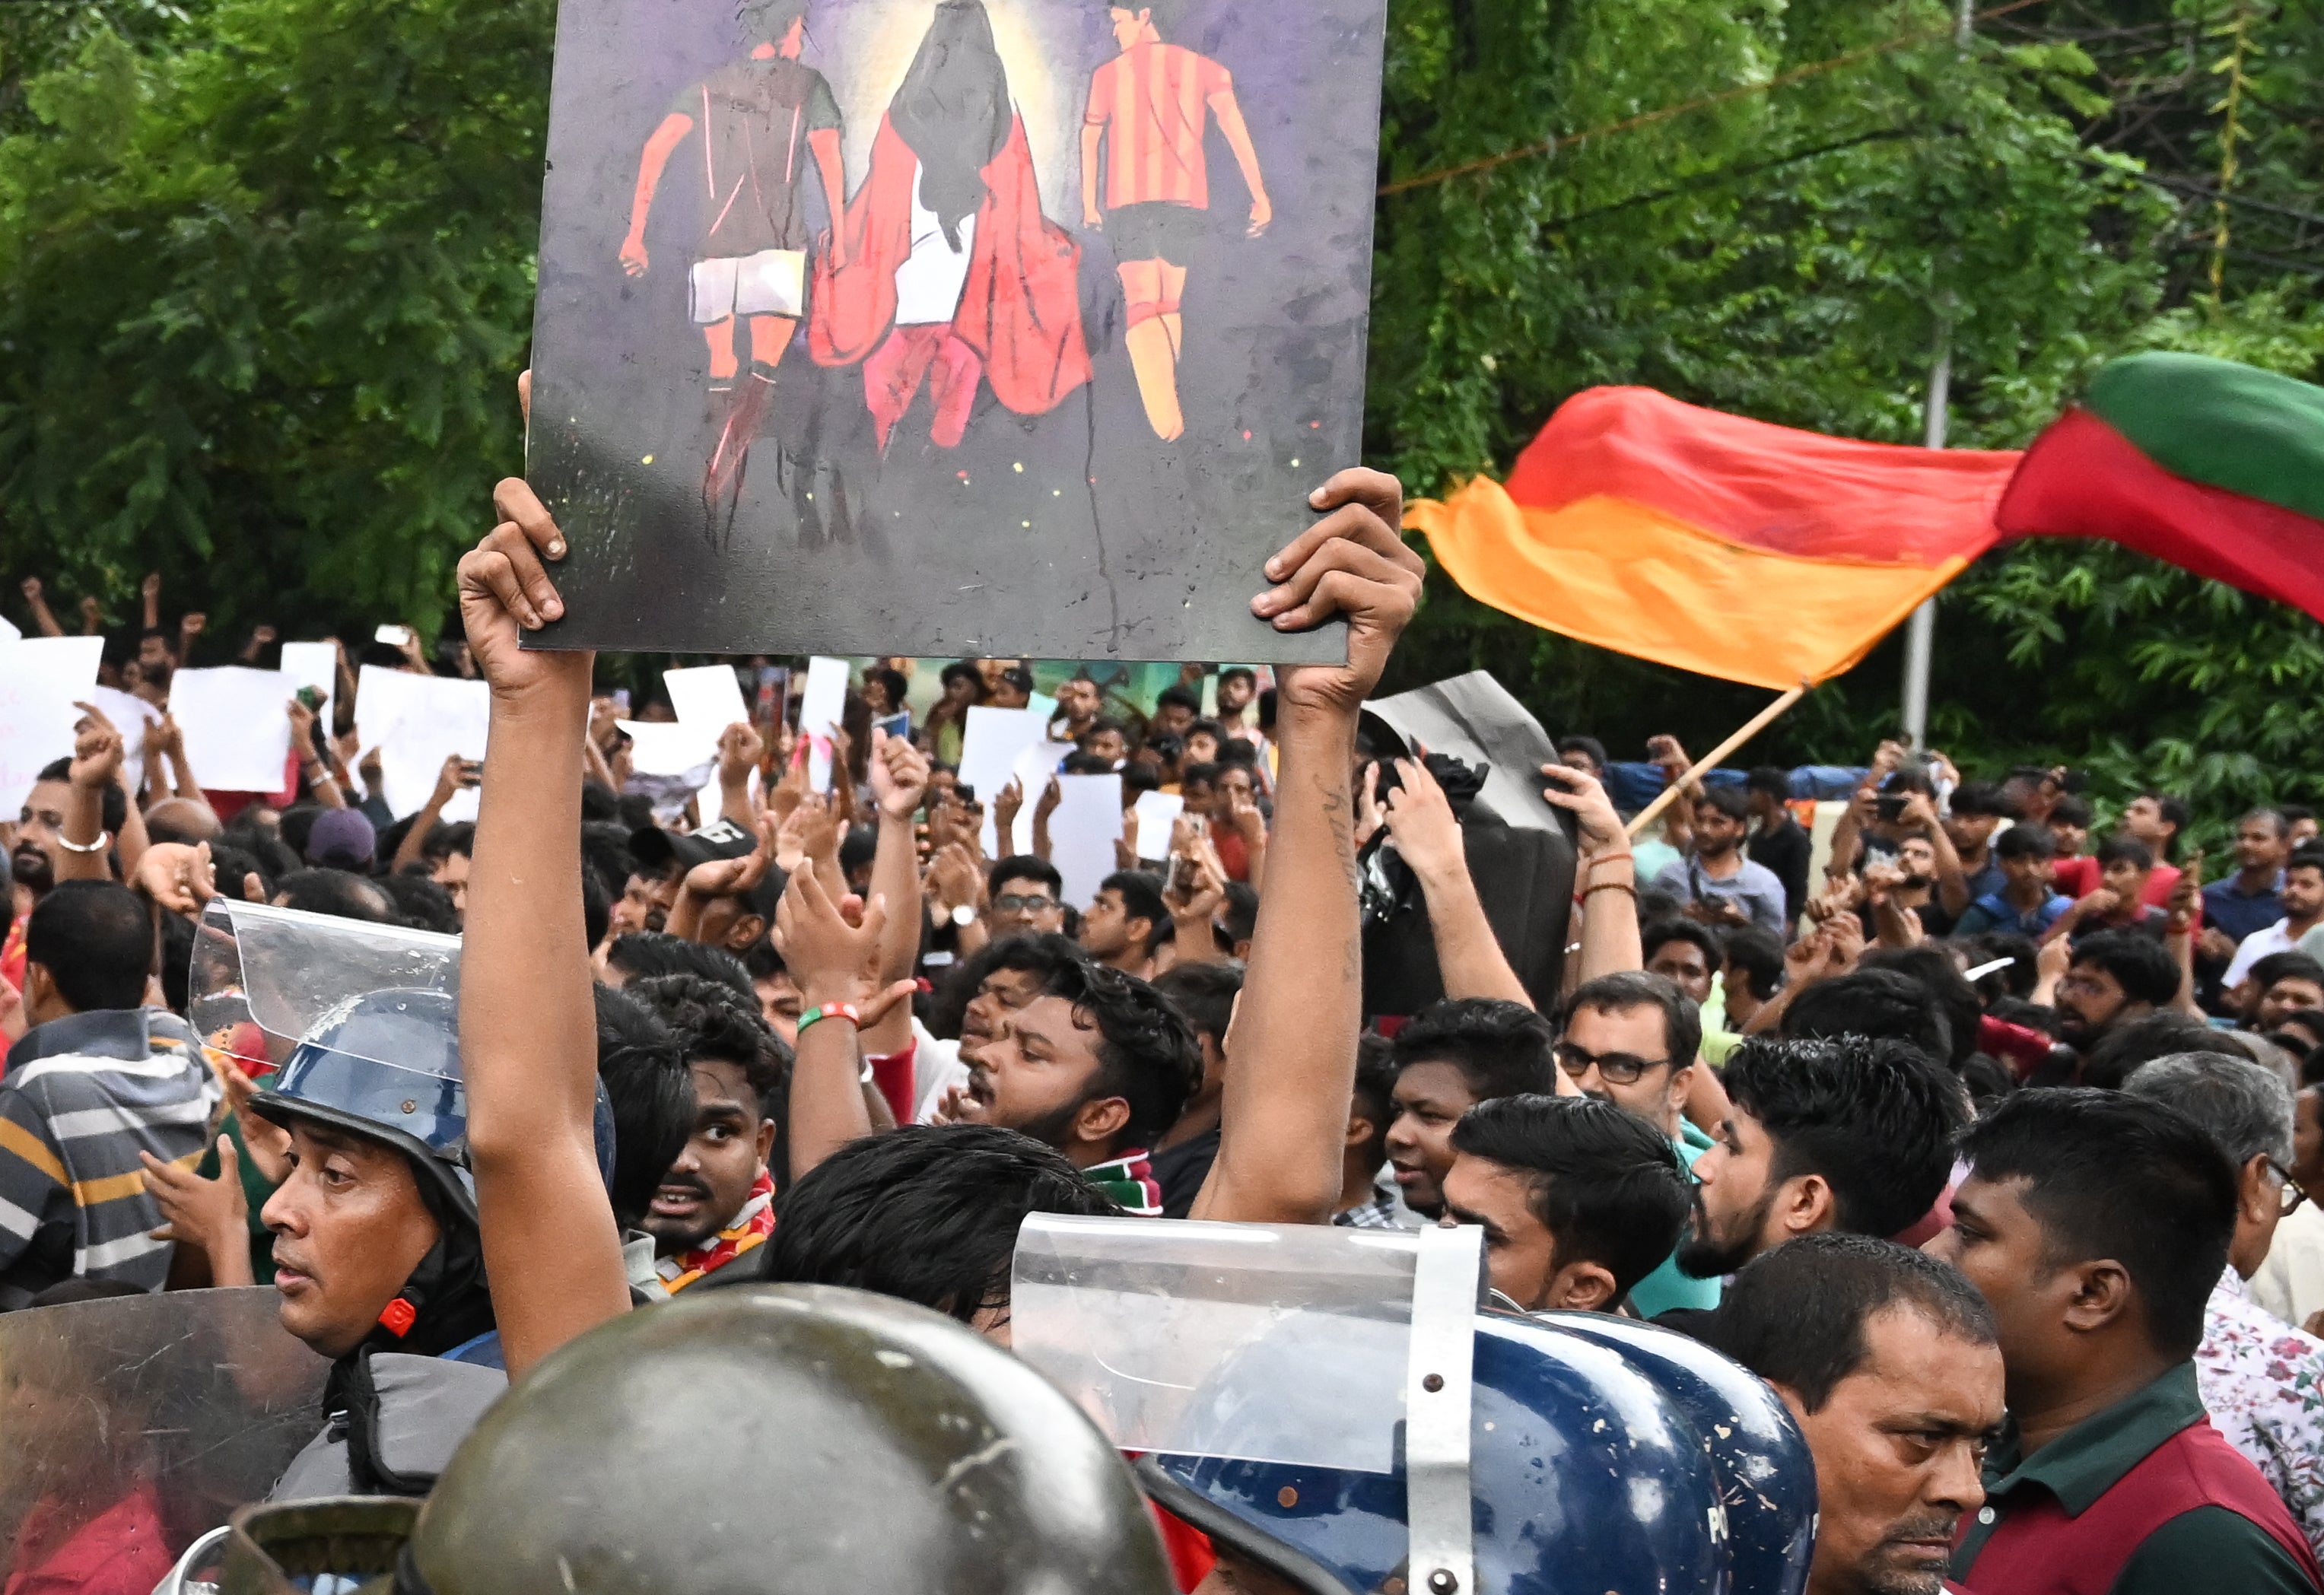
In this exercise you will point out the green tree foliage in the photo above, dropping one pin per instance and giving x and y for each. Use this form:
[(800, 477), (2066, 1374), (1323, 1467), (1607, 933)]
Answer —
[(269, 279), (270, 282)]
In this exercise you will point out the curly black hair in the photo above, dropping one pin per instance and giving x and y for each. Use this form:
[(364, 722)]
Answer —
[(1147, 1053), (711, 1021)]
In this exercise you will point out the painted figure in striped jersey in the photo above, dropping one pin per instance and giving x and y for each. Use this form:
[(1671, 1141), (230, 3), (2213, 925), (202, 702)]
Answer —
[(1143, 136)]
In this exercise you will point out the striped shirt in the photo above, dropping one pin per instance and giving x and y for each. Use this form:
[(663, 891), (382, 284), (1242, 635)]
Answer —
[(1151, 99), (82, 1096)]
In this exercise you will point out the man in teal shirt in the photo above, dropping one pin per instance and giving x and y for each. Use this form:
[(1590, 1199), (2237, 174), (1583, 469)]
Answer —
[(1630, 1039)]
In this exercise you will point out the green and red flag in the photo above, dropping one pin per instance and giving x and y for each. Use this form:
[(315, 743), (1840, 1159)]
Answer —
[(2213, 466), (1763, 554)]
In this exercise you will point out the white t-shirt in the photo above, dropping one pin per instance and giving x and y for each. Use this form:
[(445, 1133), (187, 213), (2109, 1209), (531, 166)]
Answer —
[(2272, 938)]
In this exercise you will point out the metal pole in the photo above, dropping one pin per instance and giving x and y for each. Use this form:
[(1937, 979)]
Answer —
[(1921, 631)]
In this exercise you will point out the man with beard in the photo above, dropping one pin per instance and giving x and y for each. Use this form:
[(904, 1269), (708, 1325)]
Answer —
[(1451, 1056), (1891, 1363), (717, 1201), (2115, 978), (1579, 1199), (2302, 897), (1845, 1134), (42, 856), (1097, 1064)]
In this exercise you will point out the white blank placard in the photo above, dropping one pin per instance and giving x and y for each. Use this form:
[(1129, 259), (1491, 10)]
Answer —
[(40, 677), (820, 707), (415, 723), (314, 665), (1082, 832), (237, 723), (1157, 812), (708, 695), (659, 747), (130, 717)]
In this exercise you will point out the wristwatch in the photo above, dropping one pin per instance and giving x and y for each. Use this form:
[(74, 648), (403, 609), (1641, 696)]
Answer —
[(964, 915)]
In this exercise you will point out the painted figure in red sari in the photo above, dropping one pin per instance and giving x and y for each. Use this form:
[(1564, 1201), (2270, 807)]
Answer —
[(947, 273)]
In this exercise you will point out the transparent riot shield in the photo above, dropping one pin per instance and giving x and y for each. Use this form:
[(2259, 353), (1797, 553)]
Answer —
[(264, 977), (131, 1425), (1141, 1323)]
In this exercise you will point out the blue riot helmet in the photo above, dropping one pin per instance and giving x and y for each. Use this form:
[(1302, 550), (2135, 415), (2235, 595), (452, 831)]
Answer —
[(341, 1074), (1331, 1406), (1766, 1478)]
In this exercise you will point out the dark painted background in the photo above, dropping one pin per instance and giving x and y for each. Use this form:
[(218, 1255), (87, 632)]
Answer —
[(1074, 534)]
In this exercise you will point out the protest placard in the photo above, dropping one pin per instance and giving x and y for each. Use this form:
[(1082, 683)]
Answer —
[(1155, 812), (314, 665), (1082, 833), (40, 678), (130, 717), (236, 725), (707, 694), (1030, 773), (417, 722), (1069, 414), (820, 707)]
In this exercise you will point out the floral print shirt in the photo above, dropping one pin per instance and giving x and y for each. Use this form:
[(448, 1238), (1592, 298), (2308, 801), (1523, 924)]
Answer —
[(2262, 1383)]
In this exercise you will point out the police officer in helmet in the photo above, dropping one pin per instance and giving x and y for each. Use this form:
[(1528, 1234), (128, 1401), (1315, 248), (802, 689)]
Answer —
[(375, 1239), (822, 1439), (1588, 1454)]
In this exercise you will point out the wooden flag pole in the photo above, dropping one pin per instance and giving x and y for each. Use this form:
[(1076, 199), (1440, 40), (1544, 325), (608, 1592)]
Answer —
[(1751, 728)]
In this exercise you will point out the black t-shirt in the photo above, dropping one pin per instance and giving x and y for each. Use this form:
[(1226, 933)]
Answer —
[(1786, 850), (754, 118), (1180, 1171)]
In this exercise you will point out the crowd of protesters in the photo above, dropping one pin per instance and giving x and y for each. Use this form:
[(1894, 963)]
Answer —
[(1990, 1147)]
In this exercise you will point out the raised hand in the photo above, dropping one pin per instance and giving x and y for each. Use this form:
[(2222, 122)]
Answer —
[(1596, 819), (899, 775), (1052, 795), (739, 749), (1421, 819), (96, 750), (211, 1216), (179, 878), (1004, 813), (732, 876), (505, 592), (1353, 563), (832, 959)]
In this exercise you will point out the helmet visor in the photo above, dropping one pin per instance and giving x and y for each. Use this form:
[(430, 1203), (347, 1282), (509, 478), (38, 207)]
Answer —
[(1165, 1333), (266, 978)]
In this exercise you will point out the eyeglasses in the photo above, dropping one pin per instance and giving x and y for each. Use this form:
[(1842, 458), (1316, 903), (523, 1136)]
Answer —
[(1010, 903), (1617, 1068), (2288, 1195)]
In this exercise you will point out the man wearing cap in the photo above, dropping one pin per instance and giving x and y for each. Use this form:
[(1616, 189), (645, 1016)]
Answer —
[(342, 839), (727, 888), (96, 1080)]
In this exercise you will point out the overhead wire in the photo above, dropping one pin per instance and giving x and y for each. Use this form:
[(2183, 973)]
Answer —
[(1703, 102)]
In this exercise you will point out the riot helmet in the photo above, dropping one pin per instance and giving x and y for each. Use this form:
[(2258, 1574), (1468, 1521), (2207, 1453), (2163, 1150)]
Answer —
[(1333, 1406), (907, 1453), (355, 1027)]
